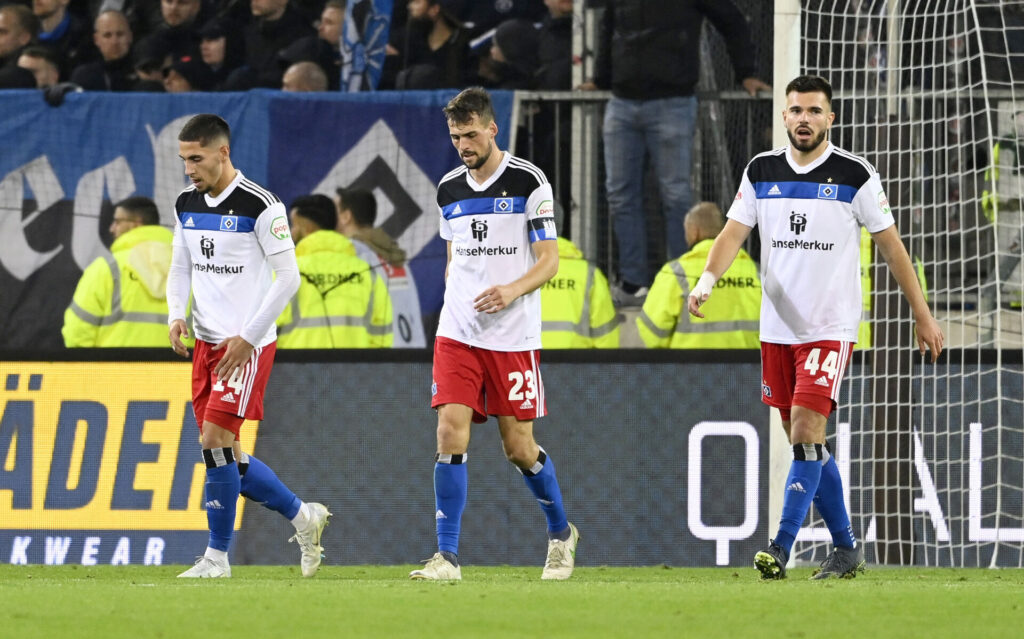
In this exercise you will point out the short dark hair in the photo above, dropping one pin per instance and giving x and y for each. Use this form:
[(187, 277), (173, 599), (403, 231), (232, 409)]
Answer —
[(43, 53), (204, 128), (362, 204), (318, 209), (470, 102), (810, 84), (141, 207)]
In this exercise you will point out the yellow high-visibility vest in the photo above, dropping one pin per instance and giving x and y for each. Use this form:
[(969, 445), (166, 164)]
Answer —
[(732, 313), (576, 304), (121, 299), (341, 301)]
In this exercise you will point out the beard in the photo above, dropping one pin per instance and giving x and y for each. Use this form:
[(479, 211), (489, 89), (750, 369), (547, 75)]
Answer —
[(808, 146), (480, 159)]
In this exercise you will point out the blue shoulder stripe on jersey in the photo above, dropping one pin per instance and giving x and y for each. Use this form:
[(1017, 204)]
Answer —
[(216, 222), (804, 191), (484, 206)]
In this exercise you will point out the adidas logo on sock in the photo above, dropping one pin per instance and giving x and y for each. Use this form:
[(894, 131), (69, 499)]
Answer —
[(230, 397), (821, 381), (214, 504), (440, 515), (526, 405), (796, 486), (544, 502), (774, 190)]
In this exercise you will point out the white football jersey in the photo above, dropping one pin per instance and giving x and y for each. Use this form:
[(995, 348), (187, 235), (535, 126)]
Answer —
[(229, 238), (491, 228), (809, 219)]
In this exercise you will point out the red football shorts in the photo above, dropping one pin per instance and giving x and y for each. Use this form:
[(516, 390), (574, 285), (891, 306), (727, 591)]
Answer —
[(489, 382), (807, 375), (235, 400)]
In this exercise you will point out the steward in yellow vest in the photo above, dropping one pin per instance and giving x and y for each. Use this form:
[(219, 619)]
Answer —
[(576, 304), (731, 323), (121, 299), (341, 301)]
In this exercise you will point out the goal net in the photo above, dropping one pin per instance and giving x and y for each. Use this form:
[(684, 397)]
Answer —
[(930, 92)]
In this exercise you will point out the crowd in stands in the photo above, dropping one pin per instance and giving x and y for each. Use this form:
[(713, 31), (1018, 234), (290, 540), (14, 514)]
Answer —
[(294, 45)]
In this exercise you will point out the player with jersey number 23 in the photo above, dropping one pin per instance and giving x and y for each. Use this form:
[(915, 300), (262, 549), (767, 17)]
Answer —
[(809, 200), (497, 217), (234, 253)]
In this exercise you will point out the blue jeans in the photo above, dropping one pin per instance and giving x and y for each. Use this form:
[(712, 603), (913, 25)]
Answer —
[(664, 128)]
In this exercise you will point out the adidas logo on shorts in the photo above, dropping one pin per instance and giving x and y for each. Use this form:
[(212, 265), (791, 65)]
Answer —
[(821, 381), (230, 397), (527, 405)]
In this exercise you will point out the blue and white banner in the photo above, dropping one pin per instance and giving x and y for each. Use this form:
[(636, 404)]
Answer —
[(63, 168), (364, 40)]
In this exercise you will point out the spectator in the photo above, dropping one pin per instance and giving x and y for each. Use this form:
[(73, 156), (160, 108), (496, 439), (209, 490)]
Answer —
[(648, 53), (115, 71), (325, 47), (435, 47), (481, 16), (576, 304), (18, 29), (357, 213), (733, 320), (220, 51), (120, 299), (179, 29), (513, 62), (62, 32), (304, 77), (43, 64), (341, 302), (276, 27), (554, 48), (187, 74), (151, 62)]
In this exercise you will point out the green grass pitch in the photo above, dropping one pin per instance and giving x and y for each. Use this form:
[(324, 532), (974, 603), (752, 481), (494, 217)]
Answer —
[(380, 601)]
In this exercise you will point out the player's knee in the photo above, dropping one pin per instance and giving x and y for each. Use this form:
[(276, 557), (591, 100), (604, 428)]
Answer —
[(521, 453)]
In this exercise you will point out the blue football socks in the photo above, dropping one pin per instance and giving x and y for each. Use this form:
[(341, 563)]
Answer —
[(801, 486), (260, 484), (831, 507), (222, 488), (451, 481), (543, 483)]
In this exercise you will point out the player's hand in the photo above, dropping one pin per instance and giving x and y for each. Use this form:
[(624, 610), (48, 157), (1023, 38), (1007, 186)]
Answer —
[(236, 353), (177, 331), (700, 294), (929, 336), (495, 299)]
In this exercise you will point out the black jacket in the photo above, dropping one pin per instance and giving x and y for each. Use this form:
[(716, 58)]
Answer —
[(649, 49)]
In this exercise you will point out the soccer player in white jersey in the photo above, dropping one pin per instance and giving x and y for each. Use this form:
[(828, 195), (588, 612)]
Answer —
[(498, 220), (231, 239), (809, 200)]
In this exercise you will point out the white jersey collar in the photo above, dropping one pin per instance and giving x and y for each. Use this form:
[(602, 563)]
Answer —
[(489, 181), (214, 201), (800, 170)]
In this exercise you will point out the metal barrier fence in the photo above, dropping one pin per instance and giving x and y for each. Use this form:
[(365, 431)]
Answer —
[(561, 131)]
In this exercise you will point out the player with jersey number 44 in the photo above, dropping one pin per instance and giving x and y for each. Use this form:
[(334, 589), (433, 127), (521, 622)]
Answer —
[(497, 218), (809, 200)]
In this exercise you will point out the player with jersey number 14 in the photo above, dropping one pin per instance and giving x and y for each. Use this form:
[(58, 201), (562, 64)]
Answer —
[(234, 254), (497, 218), (810, 200)]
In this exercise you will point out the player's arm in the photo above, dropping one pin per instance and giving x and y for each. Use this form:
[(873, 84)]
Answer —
[(723, 252), (929, 334), (499, 297), (179, 287)]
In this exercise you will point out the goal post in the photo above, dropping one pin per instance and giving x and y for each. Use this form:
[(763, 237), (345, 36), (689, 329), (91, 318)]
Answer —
[(929, 91)]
